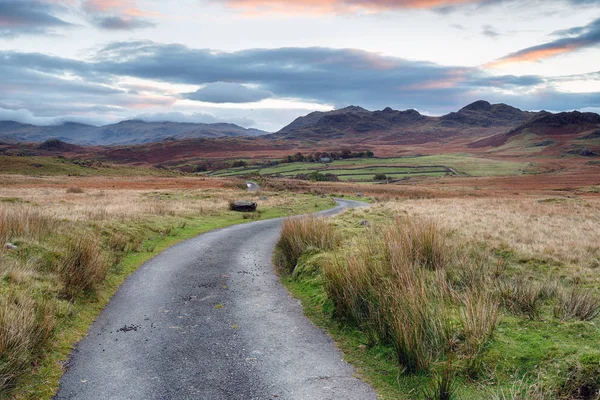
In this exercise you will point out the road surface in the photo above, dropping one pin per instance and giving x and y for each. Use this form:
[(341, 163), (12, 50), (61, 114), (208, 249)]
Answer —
[(209, 319)]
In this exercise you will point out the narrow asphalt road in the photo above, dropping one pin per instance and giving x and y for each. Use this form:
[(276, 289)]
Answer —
[(209, 319)]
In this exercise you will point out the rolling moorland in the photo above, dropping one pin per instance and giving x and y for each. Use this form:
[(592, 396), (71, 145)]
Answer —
[(473, 273)]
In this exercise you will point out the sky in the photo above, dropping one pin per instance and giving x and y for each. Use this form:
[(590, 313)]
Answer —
[(263, 63)]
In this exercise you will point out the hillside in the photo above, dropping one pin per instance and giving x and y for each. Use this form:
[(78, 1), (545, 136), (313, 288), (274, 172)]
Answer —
[(573, 133), (475, 120), (123, 133), (480, 127)]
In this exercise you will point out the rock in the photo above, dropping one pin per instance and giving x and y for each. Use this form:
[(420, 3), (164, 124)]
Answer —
[(323, 196), (242, 206), (587, 153), (359, 195), (10, 246), (364, 222)]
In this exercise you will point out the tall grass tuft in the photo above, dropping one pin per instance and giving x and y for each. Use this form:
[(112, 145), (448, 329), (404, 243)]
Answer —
[(394, 287), (579, 304), (300, 234), (24, 222), (84, 265), (24, 326), (444, 387), (521, 296), (479, 318)]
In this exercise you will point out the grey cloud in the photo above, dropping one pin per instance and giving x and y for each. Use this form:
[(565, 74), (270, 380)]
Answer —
[(196, 117), (119, 16), (336, 77), (570, 40), (490, 31), (26, 17), (228, 92), (25, 116), (122, 23), (332, 76)]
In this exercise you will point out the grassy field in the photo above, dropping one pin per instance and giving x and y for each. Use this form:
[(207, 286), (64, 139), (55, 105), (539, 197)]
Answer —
[(364, 169), (57, 166), (75, 241), (477, 298)]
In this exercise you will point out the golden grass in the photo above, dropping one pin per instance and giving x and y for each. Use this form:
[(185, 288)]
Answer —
[(563, 231), (68, 240), (301, 234)]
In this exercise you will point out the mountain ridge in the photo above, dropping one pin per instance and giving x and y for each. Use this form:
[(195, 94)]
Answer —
[(128, 132)]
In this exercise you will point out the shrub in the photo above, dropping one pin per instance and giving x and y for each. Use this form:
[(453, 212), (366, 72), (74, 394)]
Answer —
[(238, 164), (300, 234), (74, 189), (380, 177)]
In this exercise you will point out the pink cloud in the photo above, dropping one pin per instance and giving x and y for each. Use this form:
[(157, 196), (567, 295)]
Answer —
[(126, 8), (258, 7)]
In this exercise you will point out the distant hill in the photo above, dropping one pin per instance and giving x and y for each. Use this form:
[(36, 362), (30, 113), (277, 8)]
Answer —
[(562, 133), (483, 114), (477, 119), (123, 133)]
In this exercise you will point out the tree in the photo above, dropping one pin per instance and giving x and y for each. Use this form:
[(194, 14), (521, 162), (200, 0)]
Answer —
[(369, 153), (380, 177)]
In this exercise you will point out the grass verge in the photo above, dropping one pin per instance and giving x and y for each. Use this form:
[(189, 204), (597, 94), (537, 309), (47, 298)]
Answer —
[(69, 258), (421, 313)]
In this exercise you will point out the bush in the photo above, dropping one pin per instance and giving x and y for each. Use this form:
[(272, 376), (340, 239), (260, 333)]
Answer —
[(380, 177), (239, 164), (75, 189)]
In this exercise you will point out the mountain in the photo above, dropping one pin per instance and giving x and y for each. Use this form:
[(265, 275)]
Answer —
[(478, 119), (571, 132), (347, 120), (482, 113), (123, 133)]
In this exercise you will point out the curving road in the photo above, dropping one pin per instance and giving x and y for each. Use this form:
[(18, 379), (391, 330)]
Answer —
[(209, 319)]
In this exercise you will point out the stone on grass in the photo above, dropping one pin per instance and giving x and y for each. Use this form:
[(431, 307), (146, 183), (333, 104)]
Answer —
[(242, 206)]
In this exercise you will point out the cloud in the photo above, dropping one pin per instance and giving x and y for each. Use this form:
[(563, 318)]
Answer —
[(24, 116), (121, 23), (196, 117), (324, 75), (28, 17), (260, 7), (490, 31), (320, 7), (569, 40), (107, 84), (228, 92), (117, 14)]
